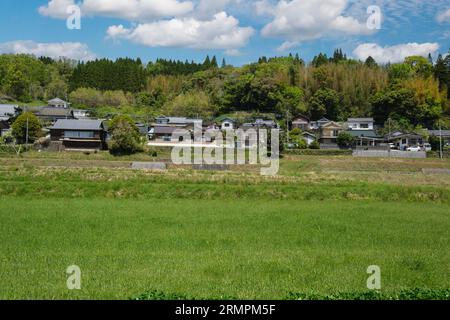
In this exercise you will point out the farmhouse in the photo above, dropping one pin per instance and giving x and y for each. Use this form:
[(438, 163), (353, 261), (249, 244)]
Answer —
[(79, 134)]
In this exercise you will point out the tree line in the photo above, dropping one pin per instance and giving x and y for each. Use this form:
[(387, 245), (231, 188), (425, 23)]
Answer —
[(414, 93)]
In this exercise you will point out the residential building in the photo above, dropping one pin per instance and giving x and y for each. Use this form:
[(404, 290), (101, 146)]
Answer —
[(302, 123), (405, 140), (309, 137), (58, 103), (80, 114), (317, 125), (228, 124), (53, 114), (8, 111), (329, 133), (4, 127), (260, 124), (367, 138), (360, 124), (79, 134), (164, 128), (445, 134)]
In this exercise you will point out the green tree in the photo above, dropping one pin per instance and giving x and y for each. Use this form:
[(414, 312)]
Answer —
[(345, 139), (370, 62), (19, 127), (125, 138), (325, 102)]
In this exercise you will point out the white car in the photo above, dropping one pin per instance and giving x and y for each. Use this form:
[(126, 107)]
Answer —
[(414, 149)]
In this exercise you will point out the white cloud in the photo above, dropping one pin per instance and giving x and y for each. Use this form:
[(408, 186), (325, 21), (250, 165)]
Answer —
[(444, 16), (287, 45), (136, 10), (300, 20), (221, 32), (72, 50), (56, 9), (394, 54)]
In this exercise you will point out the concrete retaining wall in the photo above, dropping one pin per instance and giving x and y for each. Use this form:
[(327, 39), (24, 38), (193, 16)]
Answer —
[(387, 154)]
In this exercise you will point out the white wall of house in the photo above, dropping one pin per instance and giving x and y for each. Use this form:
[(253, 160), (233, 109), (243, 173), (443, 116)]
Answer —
[(357, 125), (227, 125)]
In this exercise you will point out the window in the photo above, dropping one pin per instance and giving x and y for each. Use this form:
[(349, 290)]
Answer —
[(364, 126), (335, 133), (79, 134)]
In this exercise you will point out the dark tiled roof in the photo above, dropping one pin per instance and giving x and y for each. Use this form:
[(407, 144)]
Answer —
[(58, 112), (364, 133), (166, 129)]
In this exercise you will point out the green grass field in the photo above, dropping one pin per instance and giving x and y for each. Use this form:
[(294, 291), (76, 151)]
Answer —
[(313, 229)]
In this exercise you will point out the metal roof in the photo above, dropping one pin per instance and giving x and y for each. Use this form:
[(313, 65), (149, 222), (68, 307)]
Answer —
[(437, 133), (7, 110), (78, 125)]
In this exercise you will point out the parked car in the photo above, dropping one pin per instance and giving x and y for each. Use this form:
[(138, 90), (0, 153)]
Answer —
[(414, 149), (392, 146), (427, 147)]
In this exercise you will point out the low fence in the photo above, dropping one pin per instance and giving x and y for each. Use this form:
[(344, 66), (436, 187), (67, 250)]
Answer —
[(389, 154)]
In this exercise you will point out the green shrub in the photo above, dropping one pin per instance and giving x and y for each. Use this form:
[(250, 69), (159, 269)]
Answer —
[(315, 145)]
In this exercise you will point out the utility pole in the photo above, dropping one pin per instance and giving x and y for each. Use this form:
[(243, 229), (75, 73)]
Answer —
[(287, 126), (440, 141), (389, 137), (26, 138)]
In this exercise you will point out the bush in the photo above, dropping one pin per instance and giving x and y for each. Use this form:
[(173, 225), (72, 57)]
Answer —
[(315, 145)]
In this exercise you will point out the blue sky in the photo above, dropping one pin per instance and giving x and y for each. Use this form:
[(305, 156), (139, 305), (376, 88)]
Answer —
[(238, 30)]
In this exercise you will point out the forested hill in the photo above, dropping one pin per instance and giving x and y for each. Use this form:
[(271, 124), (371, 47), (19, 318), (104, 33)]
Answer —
[(412, 94)]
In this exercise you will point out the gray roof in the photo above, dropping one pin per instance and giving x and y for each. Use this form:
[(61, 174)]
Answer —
[(50, 111), (8, 110), (165, 130), (78, 125), (437, 133), (179, 120), (56, 100)]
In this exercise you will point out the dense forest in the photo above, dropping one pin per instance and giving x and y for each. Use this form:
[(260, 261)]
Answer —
[(411, 94)]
